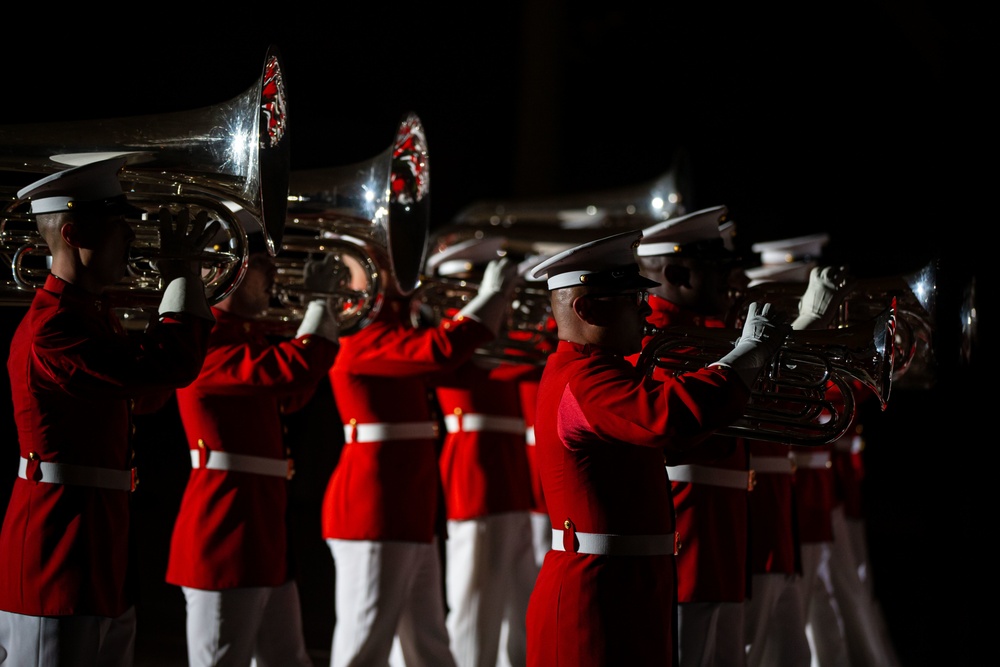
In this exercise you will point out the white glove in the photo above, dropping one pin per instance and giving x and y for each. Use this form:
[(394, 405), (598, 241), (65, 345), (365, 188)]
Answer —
[(818, 306), (323, 276), (186, 294), (763, 334), (489, 306), (319, 320)]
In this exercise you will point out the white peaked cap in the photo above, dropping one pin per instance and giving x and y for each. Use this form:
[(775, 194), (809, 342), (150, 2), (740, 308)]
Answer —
[(696, 234), (607, 264), (797, 249)]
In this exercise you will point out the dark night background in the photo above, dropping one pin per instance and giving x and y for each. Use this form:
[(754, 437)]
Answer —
[(864, 120)]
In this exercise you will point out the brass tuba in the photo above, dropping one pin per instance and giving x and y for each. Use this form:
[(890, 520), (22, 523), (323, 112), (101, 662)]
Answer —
[(542, 224), (806, 396), (533, 229), (915, 295), (230, 160), (373, 214), (527, 333)]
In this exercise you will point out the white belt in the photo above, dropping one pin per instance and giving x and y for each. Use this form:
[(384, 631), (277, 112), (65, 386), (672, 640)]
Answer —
[(478, 422), (733, 479), (77, 475), (354, 432), (850, 443), (619, 545), (256, 465), (529, 435), (817, 460), (774, 464)]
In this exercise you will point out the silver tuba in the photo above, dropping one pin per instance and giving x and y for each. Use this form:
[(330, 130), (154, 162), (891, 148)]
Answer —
[(374, 215), (806, 396), (229, 160), (527, 333), (533, 229), (537, 226), (915, 295)]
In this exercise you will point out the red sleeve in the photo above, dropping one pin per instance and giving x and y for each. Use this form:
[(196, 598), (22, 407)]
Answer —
[(236, 368), (169, 353), (643, 411), (400, 350)]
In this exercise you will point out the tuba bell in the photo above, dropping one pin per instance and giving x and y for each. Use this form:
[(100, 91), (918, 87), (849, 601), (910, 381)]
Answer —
[(373, 215), (806, 396), (540, 224), (229, 160)]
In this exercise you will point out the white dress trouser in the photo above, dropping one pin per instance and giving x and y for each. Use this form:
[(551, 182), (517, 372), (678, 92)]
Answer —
[(775, 622), (711, 634), (240, 627), (867, 640), (541, 536), (823, 626), (385, 588), (490, 572), (541, 544), (67, 641)]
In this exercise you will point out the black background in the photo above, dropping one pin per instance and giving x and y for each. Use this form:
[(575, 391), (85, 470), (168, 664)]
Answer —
[(864, 120)]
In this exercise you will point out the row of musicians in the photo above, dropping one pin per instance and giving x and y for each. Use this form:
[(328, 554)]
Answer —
[(740, 589)]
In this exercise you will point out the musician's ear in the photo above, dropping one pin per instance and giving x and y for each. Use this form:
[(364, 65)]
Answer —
[(582, 307), (71, 234)]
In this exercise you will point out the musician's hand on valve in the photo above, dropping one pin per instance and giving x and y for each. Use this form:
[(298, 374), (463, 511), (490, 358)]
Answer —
[(819, 303), (322, 278), (490, 305), (182, 240), (763, 334)]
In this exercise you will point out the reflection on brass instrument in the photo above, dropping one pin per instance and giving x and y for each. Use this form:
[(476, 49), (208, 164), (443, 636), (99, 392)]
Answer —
[(139, 291), (372, 216), (915, 296), (792, 401), (527, 333), (540, 226), (969, 324), (221, 159)]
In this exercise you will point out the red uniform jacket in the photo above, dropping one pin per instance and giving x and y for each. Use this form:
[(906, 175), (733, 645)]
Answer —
[(529, 399), (484, 463), (814, 493), (387, 489), (774, 547), (601, 430), (712, 521), (231, 528), (75, 376), (815, 488), (527, 376), (849, 471), (848, 461)]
